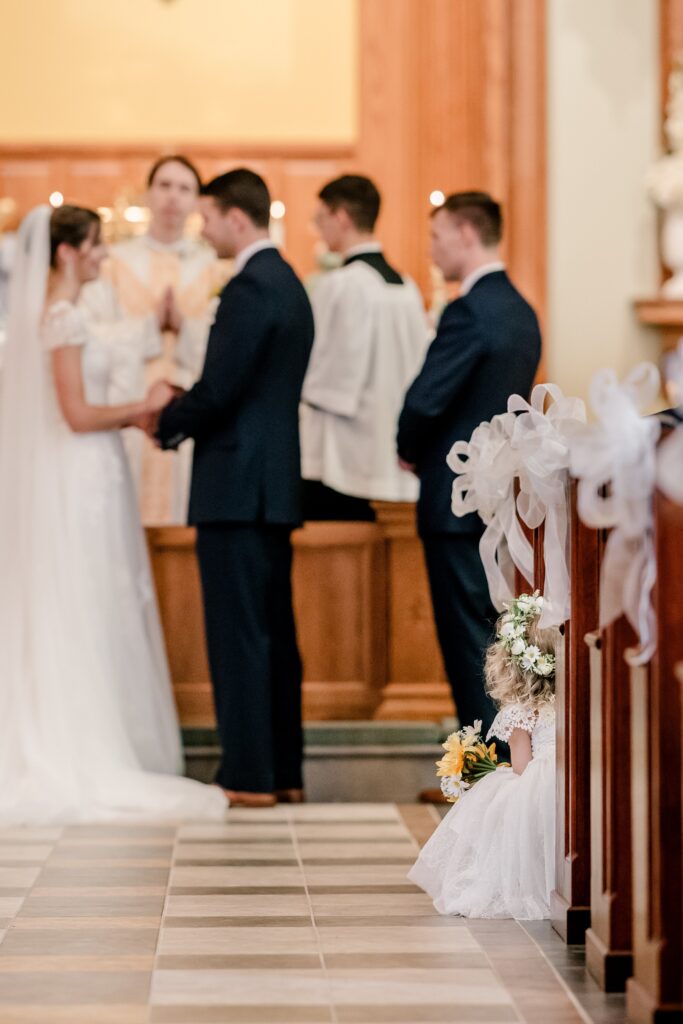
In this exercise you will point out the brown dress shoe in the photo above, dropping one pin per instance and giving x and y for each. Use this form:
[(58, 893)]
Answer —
[(290, 796), (432, 796), (239, 798)]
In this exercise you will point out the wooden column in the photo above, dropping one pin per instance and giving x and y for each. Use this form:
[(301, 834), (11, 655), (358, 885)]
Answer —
[(609, 939), (339, 581), (655, 992), (570, 901), (416, 685), (176, 577)]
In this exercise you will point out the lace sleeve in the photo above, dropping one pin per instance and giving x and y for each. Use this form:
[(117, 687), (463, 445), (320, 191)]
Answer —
[(512, 716), (64, 325)]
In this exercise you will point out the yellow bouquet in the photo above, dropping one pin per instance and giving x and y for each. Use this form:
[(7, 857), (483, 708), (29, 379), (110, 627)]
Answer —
[(467, 759)]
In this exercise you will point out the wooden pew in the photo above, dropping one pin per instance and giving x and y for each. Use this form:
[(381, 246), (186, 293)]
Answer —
[(609, 939), (570, 901), (654, 995)]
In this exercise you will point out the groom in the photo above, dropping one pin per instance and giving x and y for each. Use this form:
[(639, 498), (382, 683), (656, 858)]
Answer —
[(245, 495)]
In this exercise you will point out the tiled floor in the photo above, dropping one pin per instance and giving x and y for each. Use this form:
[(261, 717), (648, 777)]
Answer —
[(299, 914)]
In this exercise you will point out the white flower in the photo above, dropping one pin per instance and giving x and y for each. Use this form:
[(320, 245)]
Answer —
[(531, 656), (545, 666), (470, 732), (508, 630), (518, 647), (452, 786)]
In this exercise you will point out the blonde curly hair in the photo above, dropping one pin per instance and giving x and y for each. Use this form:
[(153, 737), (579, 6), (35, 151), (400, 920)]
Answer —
[(507, 682)]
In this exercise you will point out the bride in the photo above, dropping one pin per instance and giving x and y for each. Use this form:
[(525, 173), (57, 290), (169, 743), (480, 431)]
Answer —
[(87, 724)]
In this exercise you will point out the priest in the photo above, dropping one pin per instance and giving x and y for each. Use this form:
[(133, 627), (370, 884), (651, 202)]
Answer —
[(153, 303)]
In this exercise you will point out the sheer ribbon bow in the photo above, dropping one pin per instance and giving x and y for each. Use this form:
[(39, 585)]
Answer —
[(542, 442), (615, 463), (487, 465)]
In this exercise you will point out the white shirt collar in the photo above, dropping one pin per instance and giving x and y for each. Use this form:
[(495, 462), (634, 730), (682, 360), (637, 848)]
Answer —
[(243, 257), (476, 275), (183, 246), (356, 250)]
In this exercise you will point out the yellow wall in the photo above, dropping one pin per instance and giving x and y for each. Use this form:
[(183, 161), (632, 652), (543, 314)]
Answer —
[(178, 70)]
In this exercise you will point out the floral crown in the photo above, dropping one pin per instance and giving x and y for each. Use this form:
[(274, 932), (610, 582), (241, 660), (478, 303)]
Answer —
[(513, 634)]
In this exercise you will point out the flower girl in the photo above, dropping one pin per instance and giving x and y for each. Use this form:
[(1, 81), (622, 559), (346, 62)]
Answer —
[(493, 855)]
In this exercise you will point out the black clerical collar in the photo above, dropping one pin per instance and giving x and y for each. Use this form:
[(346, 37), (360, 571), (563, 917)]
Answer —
[(375, 258)]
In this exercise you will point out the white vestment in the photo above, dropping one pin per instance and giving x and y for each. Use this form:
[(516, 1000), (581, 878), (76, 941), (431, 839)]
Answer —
[(370, 341), (120, 309)]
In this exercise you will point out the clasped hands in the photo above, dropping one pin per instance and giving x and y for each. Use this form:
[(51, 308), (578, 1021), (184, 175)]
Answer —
[(156, 400), (168, 314)]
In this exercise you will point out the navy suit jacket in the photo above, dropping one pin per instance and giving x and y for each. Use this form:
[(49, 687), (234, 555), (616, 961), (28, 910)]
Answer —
[(243, 412), (487, 347)]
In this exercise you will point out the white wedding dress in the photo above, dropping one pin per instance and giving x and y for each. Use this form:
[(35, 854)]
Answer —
[(493, 855), (88, 731)]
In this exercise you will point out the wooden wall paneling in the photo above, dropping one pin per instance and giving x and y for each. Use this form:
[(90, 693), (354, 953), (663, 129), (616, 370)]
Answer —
[(29, 179), (570, 900), (339, 597), (670, 42), (390, 123), (301, 182), (416, 686), (176, 577), (527, 201), (654, 995), (609, 940)]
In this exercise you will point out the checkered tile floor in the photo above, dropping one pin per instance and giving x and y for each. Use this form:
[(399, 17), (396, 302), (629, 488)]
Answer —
[(300, 914)]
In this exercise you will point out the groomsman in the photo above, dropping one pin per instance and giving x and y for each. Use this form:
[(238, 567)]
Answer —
[(245, 496), (487, 347), (370, 337)]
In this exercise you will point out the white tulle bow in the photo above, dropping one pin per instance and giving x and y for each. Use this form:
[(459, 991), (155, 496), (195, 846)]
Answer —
[(487, 466), (534, 448), (542, 441), (615, 463)]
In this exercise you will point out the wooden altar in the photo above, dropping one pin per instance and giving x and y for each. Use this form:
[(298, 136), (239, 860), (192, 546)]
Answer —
[(363, 614)]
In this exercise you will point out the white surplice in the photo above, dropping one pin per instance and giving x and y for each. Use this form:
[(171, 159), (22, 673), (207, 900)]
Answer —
[(120, 309), (370, 340)]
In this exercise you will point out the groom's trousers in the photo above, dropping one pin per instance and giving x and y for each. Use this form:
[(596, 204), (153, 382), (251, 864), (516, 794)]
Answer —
[(253, 654)]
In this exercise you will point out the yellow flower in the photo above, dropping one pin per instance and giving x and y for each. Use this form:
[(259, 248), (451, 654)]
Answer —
[(452, 762)]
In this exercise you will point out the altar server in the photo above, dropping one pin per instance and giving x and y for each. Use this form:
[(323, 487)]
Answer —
[(371, 334)]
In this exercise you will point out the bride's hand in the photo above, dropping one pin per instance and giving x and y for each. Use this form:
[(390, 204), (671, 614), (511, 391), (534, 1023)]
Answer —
[(159, 395), (145, 421)]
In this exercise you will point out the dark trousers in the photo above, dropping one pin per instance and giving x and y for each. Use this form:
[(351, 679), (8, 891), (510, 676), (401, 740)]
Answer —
[(464, 618), (253, 654), (324, 503)]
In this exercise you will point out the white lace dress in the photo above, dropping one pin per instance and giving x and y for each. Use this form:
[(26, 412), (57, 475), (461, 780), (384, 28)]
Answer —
[(493, 855), (89, 730)]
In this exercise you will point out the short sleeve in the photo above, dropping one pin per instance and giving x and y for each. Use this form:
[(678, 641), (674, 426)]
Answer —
[(64, 326), (512, 716)]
